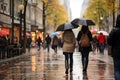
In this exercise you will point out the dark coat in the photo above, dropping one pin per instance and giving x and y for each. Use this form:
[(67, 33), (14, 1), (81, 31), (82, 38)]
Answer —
[(48, 40), (114, 39), (90, 38)]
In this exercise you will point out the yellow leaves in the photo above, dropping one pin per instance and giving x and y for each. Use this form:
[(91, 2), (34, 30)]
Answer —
[(55, 13), (111, 6), (45, 1)]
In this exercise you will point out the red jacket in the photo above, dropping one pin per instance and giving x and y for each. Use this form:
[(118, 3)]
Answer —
[(101, 38)]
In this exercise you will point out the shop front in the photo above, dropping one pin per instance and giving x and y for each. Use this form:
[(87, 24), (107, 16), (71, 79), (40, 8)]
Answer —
[(4, 31)]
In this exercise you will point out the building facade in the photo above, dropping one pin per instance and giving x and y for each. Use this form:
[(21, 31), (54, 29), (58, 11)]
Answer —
[(33, 17)]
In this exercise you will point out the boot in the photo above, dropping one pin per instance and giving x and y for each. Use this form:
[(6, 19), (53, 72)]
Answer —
[(66, 72)]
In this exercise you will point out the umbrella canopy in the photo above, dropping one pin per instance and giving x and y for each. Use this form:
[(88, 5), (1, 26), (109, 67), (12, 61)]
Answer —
[(93, 31), (66, 26), (83, 21), (104, 33), (55, 34), (3, 33)]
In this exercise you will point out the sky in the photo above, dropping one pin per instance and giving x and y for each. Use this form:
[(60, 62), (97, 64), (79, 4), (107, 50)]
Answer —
[(76, 8)]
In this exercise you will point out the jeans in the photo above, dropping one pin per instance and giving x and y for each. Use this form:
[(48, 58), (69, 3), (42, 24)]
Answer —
[(116, 68), (101, 48), (85, 59), (68, 56)]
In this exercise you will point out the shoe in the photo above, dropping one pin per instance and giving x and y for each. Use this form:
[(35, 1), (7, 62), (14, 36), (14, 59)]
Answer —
[(84, 72), (66, 72)]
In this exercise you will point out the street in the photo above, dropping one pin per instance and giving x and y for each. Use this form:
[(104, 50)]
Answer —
[(40, 65)]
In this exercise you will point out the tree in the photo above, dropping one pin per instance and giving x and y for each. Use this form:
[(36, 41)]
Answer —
[(104, 7), (111, 7), (51, 13), (56, 14)]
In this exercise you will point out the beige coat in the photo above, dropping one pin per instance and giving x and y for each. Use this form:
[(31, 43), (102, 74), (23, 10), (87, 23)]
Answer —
[(69, 41)]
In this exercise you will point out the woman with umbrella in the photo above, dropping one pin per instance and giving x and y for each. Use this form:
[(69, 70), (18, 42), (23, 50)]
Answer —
[(86, 49), (69, 42)]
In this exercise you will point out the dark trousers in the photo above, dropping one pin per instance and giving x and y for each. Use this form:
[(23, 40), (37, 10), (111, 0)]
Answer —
[(48, 47), (116, 68), (85, 59), (101, 48), (68, 60)]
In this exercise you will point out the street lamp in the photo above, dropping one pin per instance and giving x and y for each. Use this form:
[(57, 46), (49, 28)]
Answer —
[(101, 18), (24, 32), (20, 7)]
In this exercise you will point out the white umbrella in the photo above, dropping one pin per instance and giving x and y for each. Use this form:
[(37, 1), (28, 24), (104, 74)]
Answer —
[(104, 32)]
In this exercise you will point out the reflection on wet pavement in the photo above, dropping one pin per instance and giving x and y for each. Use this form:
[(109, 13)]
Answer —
[(49, 66)]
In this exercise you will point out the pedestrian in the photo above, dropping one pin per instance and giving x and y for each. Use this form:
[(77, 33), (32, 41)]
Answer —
[(69, 42), (29, 41), (114, 41), (95, 44), (55, 43), (101, 41), (39, 41), (60, 42), (48, 42), (3, 47), (84, 50)]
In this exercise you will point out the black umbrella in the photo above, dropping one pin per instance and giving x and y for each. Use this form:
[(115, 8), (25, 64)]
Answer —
[(83, 21), (66, 26)]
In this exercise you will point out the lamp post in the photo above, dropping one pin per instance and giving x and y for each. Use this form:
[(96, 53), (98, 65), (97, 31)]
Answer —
[(20, 7), (12, 17), (24, 32), (44, 19)]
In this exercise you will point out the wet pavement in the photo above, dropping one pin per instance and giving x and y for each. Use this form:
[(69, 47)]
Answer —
[(40, 65)]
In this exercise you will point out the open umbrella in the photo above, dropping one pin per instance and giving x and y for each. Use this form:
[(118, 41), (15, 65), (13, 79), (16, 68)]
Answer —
[(3, 33), (54, 34), (104, 33), (93, 31), (83, 21), (66, 26)]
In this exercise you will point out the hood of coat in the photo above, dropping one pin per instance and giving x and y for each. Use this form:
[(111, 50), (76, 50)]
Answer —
[(118, 21)]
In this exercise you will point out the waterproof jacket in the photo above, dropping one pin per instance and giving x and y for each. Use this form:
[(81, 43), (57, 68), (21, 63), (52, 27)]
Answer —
[(89, 48), (114, 41), (69, 41), (101, 38)]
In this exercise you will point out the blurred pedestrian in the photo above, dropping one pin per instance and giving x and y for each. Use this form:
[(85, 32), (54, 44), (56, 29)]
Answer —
[(39, 42), (95, 44), (101, 41), (60, 44), (29, 41), (48, 42), (55, 43), (84, 49), (69, 42), (114, 41), (3, 47)]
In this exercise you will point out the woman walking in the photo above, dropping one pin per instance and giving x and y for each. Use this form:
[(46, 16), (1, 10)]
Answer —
[(84, 49), (69, 42)]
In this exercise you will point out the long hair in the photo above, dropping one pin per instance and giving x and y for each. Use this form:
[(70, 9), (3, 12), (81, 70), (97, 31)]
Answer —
[(84, 28)]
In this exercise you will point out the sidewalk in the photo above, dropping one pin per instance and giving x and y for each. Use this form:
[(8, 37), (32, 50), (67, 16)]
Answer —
[(40, 65), (103, 57)]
